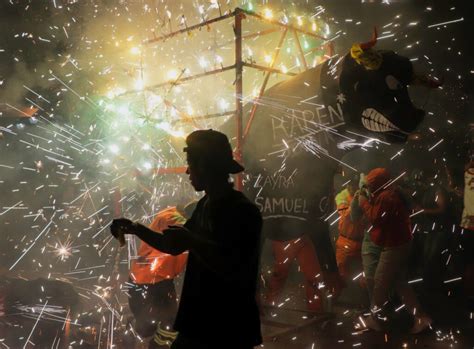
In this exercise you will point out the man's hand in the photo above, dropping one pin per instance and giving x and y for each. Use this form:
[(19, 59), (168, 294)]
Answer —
[(120, 227), (362, 198)]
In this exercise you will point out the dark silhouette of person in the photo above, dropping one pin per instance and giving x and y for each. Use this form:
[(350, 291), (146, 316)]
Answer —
[(218, 307)]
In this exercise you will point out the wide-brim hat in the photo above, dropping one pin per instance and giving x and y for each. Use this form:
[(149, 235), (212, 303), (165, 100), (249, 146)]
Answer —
[(214, 146)]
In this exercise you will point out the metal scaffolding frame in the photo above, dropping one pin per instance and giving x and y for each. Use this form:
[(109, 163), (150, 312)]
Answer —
[(238, 14)]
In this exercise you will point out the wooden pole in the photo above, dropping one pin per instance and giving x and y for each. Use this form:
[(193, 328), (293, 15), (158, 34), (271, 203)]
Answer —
[(238, 89), (188, 29), (298, 44)]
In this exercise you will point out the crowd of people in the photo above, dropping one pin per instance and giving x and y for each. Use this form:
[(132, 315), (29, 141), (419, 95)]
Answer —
[(392, 229)]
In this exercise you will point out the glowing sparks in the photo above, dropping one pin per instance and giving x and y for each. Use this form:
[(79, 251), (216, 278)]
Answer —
[(203, 62), (135, 50), (223, 104), (131, 108), (147, 165), (139, 84), (268, 13), (172, 74), (114, 148), (299, 21), (63, 250)]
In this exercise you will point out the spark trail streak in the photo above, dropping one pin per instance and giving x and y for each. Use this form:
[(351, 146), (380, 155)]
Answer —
[(444, 23), (438, 143), (36, 323), (11, 207), (33, 243)]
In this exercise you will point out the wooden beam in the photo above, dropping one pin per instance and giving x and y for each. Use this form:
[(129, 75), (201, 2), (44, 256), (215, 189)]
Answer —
[(264, 85), (189, 29)]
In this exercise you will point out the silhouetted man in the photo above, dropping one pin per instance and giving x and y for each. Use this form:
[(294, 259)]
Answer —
[(218, 306)]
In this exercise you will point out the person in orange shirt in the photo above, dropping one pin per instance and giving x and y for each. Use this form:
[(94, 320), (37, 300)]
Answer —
[(351, 232), (153, 300)]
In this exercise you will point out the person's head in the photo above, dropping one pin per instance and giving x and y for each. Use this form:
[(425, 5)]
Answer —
[(209, 157), (377, 179)]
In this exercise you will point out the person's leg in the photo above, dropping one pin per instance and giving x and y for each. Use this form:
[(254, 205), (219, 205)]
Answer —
[(416, 259), (404, 290), (358, 262), (389, 269), (348, 254), (284, 253), (370, 257), (435, 260), (167, 303), (463, 264), (342, 257), (142, 305), (375, 260), (309, 265), (407, 294), (320, 237), (165, 295)]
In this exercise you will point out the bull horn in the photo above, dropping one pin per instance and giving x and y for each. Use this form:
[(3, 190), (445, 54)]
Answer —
[(369, 44)]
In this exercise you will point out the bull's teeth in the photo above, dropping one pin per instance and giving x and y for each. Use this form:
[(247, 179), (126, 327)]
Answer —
[(375, 121), (381, 128), (365, 122), (374, 115), (373, 125)]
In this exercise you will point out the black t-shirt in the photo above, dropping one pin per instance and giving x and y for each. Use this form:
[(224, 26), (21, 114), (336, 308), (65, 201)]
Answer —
[(218, 301), (441, 221)]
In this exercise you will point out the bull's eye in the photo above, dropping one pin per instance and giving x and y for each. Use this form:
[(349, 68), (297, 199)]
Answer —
[(392, 82)]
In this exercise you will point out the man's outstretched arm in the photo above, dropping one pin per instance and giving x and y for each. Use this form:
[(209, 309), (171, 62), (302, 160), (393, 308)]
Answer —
[(173, 245)]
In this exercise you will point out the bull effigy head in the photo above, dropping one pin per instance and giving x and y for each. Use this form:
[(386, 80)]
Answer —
[(375, 85)]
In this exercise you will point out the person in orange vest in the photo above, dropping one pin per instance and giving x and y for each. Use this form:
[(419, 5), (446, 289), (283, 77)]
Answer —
[(351, 232), (153, 300)]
